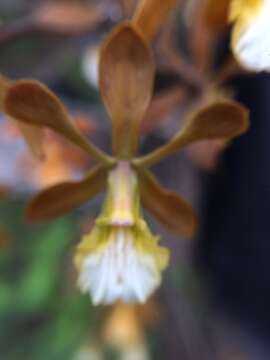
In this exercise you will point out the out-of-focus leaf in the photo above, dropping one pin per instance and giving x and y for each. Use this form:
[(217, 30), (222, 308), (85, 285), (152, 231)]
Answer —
[(39, 306), (126, 77), (151, 14), (5, 238), (33, 103), (62, 198), (65, 331), (6, 296), (167, 207), (40, 279)]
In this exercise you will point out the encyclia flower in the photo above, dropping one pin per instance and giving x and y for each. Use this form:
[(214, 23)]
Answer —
[(250, 35), (120, 259)]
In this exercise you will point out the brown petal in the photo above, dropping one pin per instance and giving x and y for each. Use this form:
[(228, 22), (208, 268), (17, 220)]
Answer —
[(32, 103), (32, 135), (126, 84), (224, 119), (151, 14), (216, 14), (166, 206), (62, 198), (208, 18)]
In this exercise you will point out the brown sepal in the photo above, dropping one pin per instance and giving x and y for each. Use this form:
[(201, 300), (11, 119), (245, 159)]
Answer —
[(64, 197), (167, 207)]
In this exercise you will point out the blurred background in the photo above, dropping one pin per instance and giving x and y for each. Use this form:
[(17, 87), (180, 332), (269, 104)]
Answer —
[(215, 296)]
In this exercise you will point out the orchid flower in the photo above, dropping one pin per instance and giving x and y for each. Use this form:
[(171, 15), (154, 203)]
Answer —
[(120, 259), (250, 35)]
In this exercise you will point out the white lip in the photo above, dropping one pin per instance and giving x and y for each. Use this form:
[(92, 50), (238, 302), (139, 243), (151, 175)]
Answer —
[(119, 272)]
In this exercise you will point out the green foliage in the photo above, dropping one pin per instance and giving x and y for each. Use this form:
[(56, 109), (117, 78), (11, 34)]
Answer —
[(41, 315)]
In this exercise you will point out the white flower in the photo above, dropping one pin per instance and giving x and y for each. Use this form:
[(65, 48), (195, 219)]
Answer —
[(120, 259), (251, 33)]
